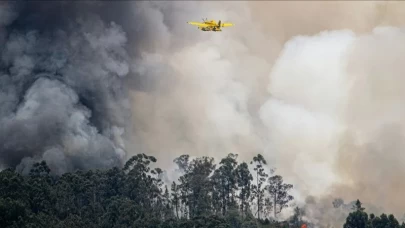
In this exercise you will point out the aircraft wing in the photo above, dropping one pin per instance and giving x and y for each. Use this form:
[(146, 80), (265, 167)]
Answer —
[(198, 24), (226, 24)]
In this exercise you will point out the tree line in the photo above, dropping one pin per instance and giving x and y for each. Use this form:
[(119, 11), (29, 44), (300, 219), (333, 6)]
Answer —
[(206, 194), (224, 195), (360, 219)]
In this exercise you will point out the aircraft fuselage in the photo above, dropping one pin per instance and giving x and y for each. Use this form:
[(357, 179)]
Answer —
[(206, 29), (211, 25)]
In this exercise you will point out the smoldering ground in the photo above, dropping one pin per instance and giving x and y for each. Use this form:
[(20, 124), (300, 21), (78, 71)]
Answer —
[(308, 94)]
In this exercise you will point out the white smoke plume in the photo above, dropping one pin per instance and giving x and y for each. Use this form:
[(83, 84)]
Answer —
[(284, 83)]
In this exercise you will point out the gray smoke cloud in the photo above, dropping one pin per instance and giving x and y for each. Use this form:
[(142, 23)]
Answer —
[(62, 90), (67, 72), (88, 84)]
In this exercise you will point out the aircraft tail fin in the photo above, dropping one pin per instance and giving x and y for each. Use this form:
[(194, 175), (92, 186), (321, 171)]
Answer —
[(219, 23)]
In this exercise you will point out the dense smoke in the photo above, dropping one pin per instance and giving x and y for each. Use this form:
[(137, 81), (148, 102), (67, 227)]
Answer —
[(62, 89), (313, 86), (291, 86)]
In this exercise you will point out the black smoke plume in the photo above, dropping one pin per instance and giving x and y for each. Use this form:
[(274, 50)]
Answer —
[(64, 67)]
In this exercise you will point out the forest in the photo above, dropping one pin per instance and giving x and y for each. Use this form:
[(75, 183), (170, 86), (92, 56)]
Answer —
[(206, 195)]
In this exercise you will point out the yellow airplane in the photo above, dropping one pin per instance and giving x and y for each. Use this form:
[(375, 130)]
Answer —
[(210, 25)]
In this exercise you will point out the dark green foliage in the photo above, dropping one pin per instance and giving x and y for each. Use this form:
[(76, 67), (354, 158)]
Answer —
[(357, 219), (196, 187), (11, 211), (205, 196), (279, 193), (261, 176), (134, 196), (358, 206), (224, 182), (360, 219), (244, 179), (383, 221)]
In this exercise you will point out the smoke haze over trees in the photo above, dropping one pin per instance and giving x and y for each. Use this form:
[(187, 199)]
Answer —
[(87, 85)]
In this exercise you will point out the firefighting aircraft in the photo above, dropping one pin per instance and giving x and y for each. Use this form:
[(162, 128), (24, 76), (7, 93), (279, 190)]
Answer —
[(211, 25)]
